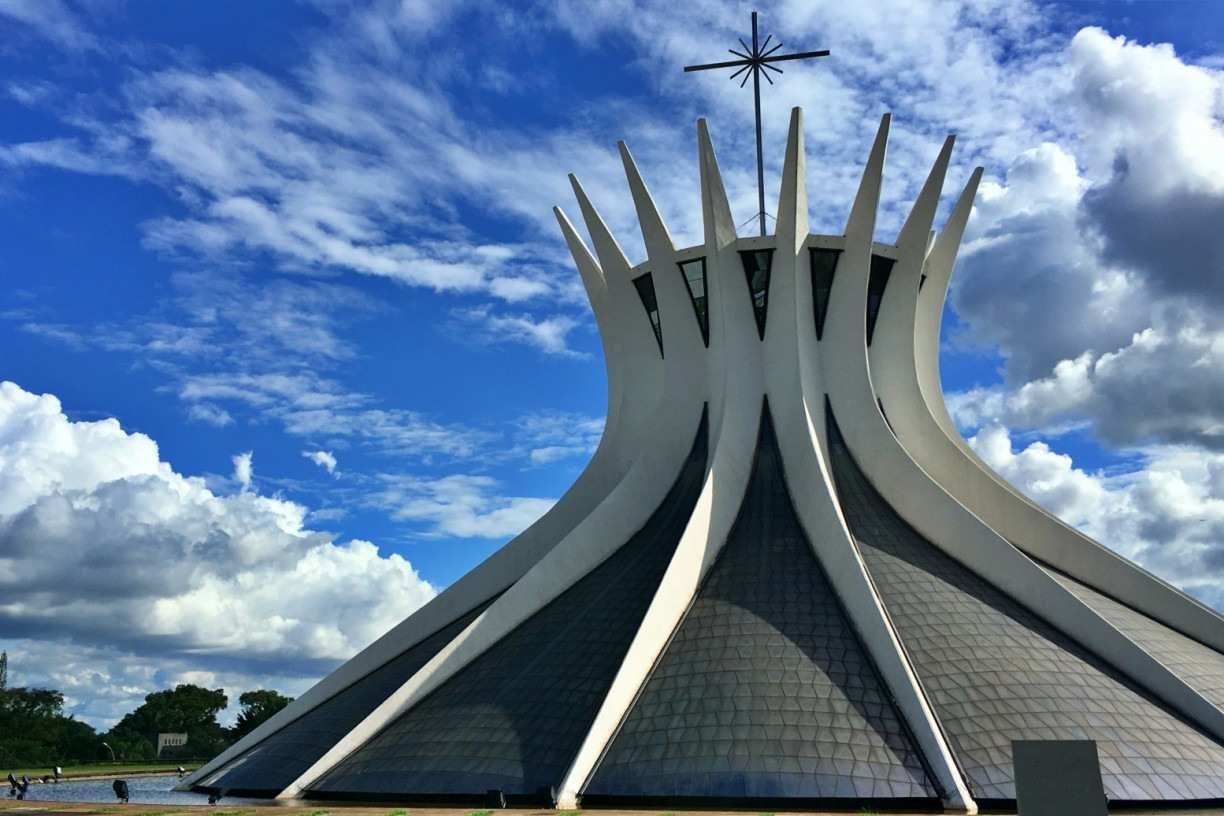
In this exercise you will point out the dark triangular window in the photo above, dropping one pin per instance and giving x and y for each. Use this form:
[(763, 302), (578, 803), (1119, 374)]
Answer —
[(881, 268), (824, 264), (646, 291), (756, 270), (694, 273)]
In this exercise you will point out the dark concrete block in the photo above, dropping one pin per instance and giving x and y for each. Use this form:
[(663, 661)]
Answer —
[(1058, 778)]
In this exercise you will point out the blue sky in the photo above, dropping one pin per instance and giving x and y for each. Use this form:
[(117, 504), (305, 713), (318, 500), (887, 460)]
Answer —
[(319, 233)]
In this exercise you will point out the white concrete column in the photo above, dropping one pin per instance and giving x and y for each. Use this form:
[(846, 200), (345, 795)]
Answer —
[(796, 392), (931, 510), (905, 372), (666, 439), (737, 401), (630, 371)]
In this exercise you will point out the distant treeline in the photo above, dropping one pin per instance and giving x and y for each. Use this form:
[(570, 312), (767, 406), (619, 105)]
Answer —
[(34, 731)]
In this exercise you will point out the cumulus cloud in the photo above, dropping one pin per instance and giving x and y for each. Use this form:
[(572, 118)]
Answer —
[(322, 458), (103, 544), (243, 469), (1158, 123), (101, 683), (1160, 387), (1167, 514), (1092, 264)]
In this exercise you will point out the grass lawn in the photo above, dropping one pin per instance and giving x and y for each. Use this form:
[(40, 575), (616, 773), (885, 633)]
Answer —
[(100, 769)]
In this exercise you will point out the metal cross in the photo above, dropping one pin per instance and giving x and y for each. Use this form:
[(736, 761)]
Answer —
[(755, 63)]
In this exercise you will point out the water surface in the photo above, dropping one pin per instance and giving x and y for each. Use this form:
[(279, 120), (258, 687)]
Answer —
[(155, 790)]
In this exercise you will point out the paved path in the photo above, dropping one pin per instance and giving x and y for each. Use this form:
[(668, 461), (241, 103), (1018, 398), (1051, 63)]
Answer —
[(306, 808)]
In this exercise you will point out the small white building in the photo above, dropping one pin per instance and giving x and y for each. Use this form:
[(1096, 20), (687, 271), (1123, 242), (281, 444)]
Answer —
[(165, 741)]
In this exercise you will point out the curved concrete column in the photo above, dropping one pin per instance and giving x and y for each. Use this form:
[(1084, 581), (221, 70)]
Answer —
[(666, 438), (887, 401), (931, 510), (633, 367), (905, 372), (796, 390), (737, 402)]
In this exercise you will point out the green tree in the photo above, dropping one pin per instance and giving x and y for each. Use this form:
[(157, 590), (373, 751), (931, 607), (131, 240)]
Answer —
[(185, 709), (257, 706), (34, 730)]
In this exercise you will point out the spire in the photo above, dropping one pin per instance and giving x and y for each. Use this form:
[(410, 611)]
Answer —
[(715, 211), (792, 197), (947, 244), (654, 232), (860, 225), (588, 269), (757, 63), (611, 257), (917, 228)]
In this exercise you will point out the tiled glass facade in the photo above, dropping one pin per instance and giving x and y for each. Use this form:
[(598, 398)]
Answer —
[(275, 762), (994, 672), (513, 719), (1201, 667), (881, 270), (764, 691)]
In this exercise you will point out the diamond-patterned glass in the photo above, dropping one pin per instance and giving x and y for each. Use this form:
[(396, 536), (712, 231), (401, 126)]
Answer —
[(994, 672), (1200, 666), (272, 764), (513, 719), (823, 266), (764, 691), (757, 263)]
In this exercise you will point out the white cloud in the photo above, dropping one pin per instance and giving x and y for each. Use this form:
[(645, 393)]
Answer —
[(210, 415), (554, 436), (322, 458), (101, 683), (1087, 238), (105, 545), (460, 506), (550, 334), (41, 453), (1167, 514), (307, 175), (243, 470), (1159, 387), (316, 407), (53, 19)]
